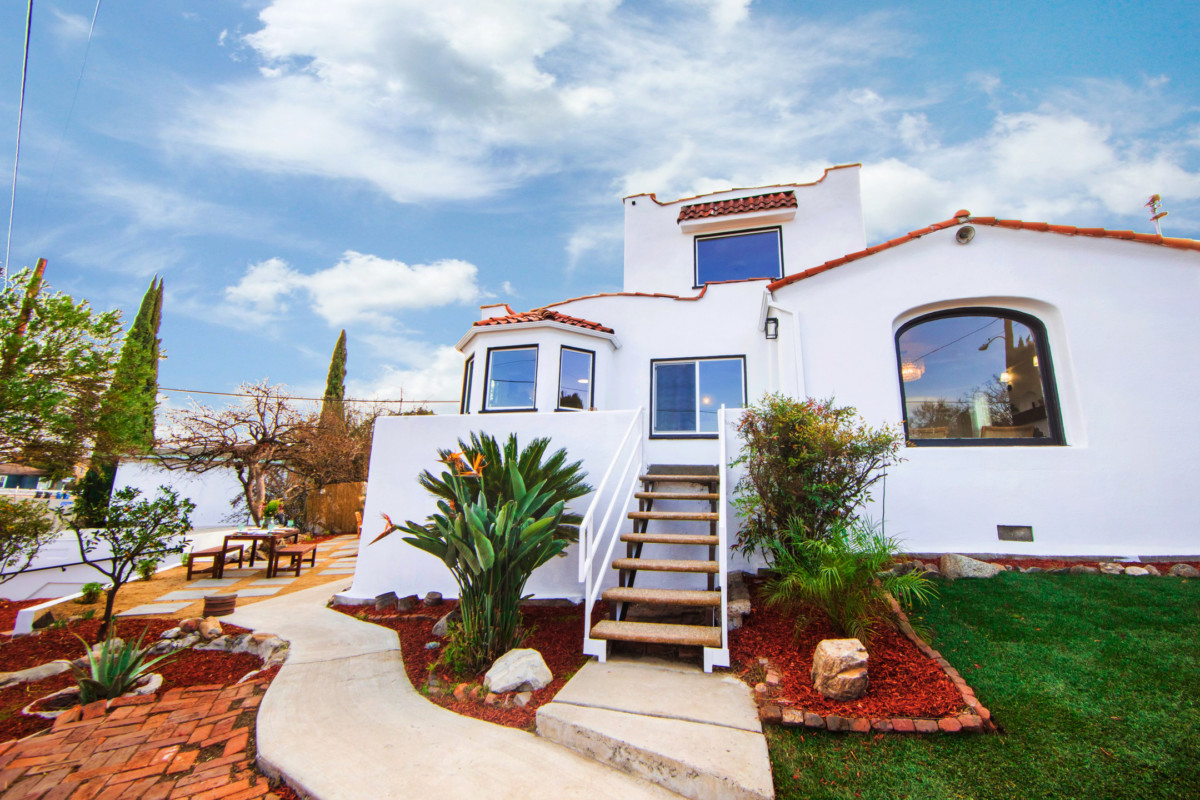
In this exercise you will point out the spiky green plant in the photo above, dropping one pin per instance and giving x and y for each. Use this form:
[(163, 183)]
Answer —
[(845, 574), (492, 547), (562, 481), (116, 668)]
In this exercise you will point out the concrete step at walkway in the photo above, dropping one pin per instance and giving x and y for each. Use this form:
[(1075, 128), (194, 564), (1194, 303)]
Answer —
[(693, 733)]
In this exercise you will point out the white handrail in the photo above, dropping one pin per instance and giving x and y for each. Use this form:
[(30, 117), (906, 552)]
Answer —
[(585, 525), (719, 657)]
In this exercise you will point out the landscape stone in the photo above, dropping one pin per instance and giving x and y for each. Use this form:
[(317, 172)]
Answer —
[(40, 672), (1153, 570), (519, 670), (171, 633), (839, 670), (955, 566), (1083, 569), (1137, 572), (737, 605), (1109, 568), (190, 625), (407, 603), (1184, 571), (521, 699), (439, 627), (385, 601), (1058, 571), (209, 629), (433, 599), (1032, 570)]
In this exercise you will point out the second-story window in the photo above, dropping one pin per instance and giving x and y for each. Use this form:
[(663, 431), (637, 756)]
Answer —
[(511, 378), (739, 256)]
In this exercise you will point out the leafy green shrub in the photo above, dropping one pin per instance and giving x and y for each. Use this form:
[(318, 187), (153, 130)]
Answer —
[(146, 568), (493, 537), (842, 574), (809, 465), (115, 669), (24, 528), (563, 481), (90, 593)]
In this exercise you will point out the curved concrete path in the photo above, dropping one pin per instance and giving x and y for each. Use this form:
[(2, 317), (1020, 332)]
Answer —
[(342, 722)]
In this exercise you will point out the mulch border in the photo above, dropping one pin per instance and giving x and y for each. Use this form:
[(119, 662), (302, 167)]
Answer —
[(978, 721)]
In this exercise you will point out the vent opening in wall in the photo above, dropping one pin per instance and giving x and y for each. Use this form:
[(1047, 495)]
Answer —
[(1015, 533)]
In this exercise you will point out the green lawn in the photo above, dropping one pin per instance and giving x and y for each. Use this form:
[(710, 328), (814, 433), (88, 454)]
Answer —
[(1093, 679)]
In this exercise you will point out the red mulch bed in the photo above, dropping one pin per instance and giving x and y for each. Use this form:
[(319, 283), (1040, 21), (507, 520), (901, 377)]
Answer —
[(190, 668), (9, 609), (557, 633), (904, 683)]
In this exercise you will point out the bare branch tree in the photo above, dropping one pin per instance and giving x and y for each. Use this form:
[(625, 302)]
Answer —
[(252, 438)]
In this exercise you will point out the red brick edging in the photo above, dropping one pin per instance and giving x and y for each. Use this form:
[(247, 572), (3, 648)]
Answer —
[(978, 720), (193, 742)]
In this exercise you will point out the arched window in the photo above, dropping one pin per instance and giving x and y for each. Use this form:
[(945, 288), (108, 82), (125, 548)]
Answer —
[(977, 376)]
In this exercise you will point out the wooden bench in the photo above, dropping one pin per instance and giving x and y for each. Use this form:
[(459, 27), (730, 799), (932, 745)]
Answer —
[(296, 552), (219, 556)]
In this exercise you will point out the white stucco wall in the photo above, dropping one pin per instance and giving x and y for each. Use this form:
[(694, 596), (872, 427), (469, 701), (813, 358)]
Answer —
[(827, 223), (1122, 327), (210, 491)]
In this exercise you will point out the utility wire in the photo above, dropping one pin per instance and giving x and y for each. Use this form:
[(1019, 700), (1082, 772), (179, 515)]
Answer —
[(314, 399), (17, 156)]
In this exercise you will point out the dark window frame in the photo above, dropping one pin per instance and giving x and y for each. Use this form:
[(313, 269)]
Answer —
[(696, 284), (464, 405), (591, 380), (1057, 437), (487, 370), (694, 359)]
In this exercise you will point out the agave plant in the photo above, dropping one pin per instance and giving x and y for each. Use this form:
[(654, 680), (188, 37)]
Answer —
[(843, 574), (491, 548), (116, 668), (561, 482)]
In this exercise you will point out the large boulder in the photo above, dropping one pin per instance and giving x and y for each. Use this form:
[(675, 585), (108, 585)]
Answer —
[(1184, 571), (839, 669), (520, 670), (442, 626), (954, 566)]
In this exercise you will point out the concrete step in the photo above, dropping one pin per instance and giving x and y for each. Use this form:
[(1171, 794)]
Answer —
[(668, 538), (688, 516), (657, 633), (672, 597), (694, 734), (666, 565), (677, 496)]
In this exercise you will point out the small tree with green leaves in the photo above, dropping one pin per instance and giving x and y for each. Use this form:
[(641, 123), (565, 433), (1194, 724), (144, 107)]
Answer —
[(809, 465), (135, 530), (332, 405), (25, 525)]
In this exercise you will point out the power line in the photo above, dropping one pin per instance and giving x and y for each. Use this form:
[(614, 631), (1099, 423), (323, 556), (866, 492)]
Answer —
[(17, 155), (316, 400)]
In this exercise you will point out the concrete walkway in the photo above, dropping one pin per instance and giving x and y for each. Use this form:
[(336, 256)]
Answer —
[(342, 722)]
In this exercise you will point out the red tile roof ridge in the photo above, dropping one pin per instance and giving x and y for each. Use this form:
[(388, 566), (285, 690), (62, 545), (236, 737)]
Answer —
[(739, 205), (542, 315), (824, 175), (963, 217), (635, 294)]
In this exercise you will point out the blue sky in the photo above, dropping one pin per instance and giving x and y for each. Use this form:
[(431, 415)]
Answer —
[(295, 167)]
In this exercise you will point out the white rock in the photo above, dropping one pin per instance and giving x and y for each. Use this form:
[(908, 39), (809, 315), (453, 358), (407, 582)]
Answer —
[(1184, 571), (839, 669), (1137, 571), (1109, 568), (520, 670), (954, 566)]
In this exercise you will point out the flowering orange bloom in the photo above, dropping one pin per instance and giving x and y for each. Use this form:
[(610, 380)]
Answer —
[(389, 527)]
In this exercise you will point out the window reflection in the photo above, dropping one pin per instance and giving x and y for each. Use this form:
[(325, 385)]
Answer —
[(511, 378), (575, 379), (688, 394), (974, 376), (738, 256)]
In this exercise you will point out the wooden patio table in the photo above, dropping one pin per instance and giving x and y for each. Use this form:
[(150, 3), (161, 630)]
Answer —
[(269, 538)]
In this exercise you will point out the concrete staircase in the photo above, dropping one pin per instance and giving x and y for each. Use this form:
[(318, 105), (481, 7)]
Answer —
[(688, 524)]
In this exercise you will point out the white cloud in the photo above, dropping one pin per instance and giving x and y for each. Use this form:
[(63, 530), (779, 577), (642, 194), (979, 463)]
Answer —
[(592, 238), (430, 374), (360, 288), (71, 27), (507, 288)]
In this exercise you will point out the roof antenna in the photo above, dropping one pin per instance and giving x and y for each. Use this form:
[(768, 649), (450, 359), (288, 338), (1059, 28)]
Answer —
[(1154, 204)]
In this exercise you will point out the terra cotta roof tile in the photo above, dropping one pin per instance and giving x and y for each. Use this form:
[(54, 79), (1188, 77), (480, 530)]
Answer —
[(964, 217), (738, 205), (542, 315)]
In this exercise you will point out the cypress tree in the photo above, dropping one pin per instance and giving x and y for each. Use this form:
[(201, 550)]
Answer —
[(335, 383)]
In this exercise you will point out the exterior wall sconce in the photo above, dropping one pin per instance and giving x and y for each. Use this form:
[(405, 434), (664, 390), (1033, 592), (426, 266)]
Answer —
[(772, 328)]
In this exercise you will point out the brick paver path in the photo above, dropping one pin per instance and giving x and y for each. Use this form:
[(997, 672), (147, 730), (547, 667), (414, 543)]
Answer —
[(193, 743)]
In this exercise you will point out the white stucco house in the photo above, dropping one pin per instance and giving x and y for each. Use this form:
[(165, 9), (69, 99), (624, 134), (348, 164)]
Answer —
[(1043, 374)]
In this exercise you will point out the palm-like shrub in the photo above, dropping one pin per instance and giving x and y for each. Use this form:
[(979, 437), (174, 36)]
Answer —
[(843, 574), (116, 668), (492, 537), (561, 482)]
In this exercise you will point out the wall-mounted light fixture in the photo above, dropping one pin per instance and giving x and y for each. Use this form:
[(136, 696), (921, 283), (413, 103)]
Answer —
[(772, 328)]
